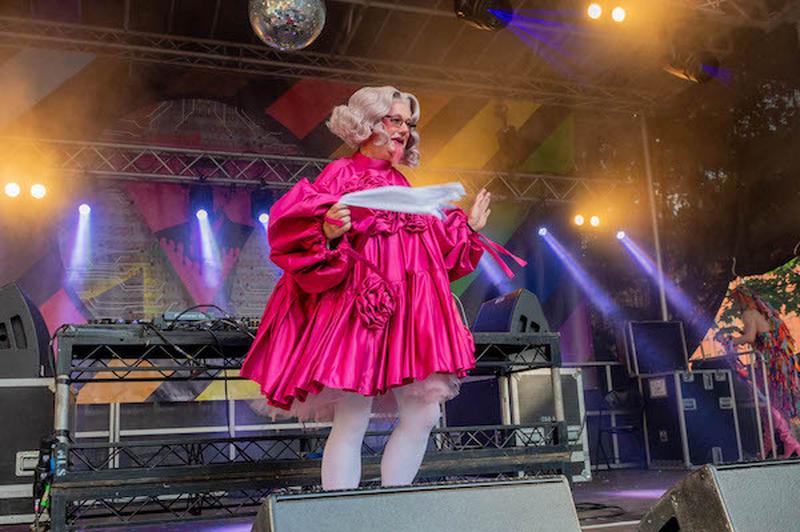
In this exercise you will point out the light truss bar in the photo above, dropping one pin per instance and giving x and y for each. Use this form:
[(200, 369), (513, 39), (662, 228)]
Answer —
[(168, 164), (262, 60)]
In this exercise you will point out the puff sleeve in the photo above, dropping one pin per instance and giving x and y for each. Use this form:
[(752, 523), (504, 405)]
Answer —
[(297, 243), (461, 246)]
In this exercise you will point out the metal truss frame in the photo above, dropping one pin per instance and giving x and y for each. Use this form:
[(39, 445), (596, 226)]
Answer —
[(507, 352), (262, 60), (183, 165), (190, 480)]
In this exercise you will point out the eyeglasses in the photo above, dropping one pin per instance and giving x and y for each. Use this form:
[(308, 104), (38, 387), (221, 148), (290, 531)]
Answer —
[(397, 122)]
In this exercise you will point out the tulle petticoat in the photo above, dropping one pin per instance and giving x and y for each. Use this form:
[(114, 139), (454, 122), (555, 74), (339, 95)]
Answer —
[(437, 387)]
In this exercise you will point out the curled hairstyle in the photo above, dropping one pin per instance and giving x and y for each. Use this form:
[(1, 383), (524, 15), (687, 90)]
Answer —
[(363, 115)]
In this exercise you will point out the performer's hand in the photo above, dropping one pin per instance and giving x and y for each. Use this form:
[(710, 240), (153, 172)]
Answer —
[(480, 210), (337, 212)]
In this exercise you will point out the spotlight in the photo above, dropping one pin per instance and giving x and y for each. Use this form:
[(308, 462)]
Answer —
[(12, 190), (579, 220), (542, 231), (620, 235), (618, 14), (201, 201), (84, 209), (261, 201), (38, 191), (698, 67), (481, 13), (595, 221), (595, 11)]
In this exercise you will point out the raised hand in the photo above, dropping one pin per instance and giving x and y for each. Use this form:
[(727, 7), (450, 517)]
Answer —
[(338, 212), (480, 210)]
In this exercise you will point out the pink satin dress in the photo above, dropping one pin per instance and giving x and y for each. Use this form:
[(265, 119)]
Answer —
[(370, 312)]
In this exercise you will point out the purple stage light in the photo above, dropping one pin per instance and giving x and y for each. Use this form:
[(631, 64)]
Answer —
[(620, 235), (212, 262), (84, 209), (263, 218), (589, 287), (542, 231), (675, 295)]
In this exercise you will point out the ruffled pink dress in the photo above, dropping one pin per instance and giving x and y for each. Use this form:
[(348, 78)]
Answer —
[(368, 313)]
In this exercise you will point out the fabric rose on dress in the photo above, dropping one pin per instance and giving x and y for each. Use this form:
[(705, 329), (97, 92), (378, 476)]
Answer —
[(384, 222), (413, 223), (363, 182), (375, 303)]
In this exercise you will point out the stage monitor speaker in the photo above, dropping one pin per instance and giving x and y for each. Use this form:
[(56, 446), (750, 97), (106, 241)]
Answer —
[(518, 311), (532, 505), (24, 339), (753, 497)]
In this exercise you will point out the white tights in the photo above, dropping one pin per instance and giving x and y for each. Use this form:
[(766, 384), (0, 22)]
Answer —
[(402, 457)]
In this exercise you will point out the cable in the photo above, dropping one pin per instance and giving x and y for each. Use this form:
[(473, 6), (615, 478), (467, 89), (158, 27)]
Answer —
[(616, 511), (180, 314)]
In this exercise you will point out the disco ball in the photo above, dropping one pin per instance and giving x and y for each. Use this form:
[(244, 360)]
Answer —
[(287, 24)]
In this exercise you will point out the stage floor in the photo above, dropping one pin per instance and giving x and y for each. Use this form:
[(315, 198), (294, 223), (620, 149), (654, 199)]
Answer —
[(635, 491)]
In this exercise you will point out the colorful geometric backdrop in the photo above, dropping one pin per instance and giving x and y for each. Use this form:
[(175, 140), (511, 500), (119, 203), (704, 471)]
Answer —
[(144, 253)]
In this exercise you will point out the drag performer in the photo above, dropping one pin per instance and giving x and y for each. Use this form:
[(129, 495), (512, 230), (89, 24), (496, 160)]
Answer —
[(768, 335), (364, 307)]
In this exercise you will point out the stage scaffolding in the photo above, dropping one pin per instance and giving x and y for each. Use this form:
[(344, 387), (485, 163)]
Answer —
[(139, 481), (192, 166)]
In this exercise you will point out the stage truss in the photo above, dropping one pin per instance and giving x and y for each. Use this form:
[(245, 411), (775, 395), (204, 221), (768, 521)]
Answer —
[(191, 166), (116, 484), (261, 60)]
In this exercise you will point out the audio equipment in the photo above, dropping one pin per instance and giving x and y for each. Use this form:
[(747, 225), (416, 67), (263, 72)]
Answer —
[(752, 497), (532, 505), (24, 339), (516, 312)]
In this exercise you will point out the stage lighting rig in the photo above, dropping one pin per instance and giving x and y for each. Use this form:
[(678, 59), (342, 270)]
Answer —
[(201, 201), (698, 67), (261, 201), (480, 13)]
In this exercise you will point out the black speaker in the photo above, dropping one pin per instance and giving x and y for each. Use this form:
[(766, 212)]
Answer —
[(752, 497), (532, 505), (24, 339), (518, 311)]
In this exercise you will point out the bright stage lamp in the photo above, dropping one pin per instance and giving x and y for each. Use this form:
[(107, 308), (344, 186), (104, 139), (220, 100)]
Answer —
[(84, 209), (263, 218), (618, 14), (202, 214), (542, 231), (595, 11), (579, 220), (620, 235), (12, 190), (595, 221), (38, 191)]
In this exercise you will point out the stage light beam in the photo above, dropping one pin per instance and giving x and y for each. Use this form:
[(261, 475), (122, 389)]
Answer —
[(579, 220), (542, 231), (595, 11), (587, 284), (12, 190), (263, 218), (620, 235), (202, 214), (618, 14), (84, 209), (38, 191)]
